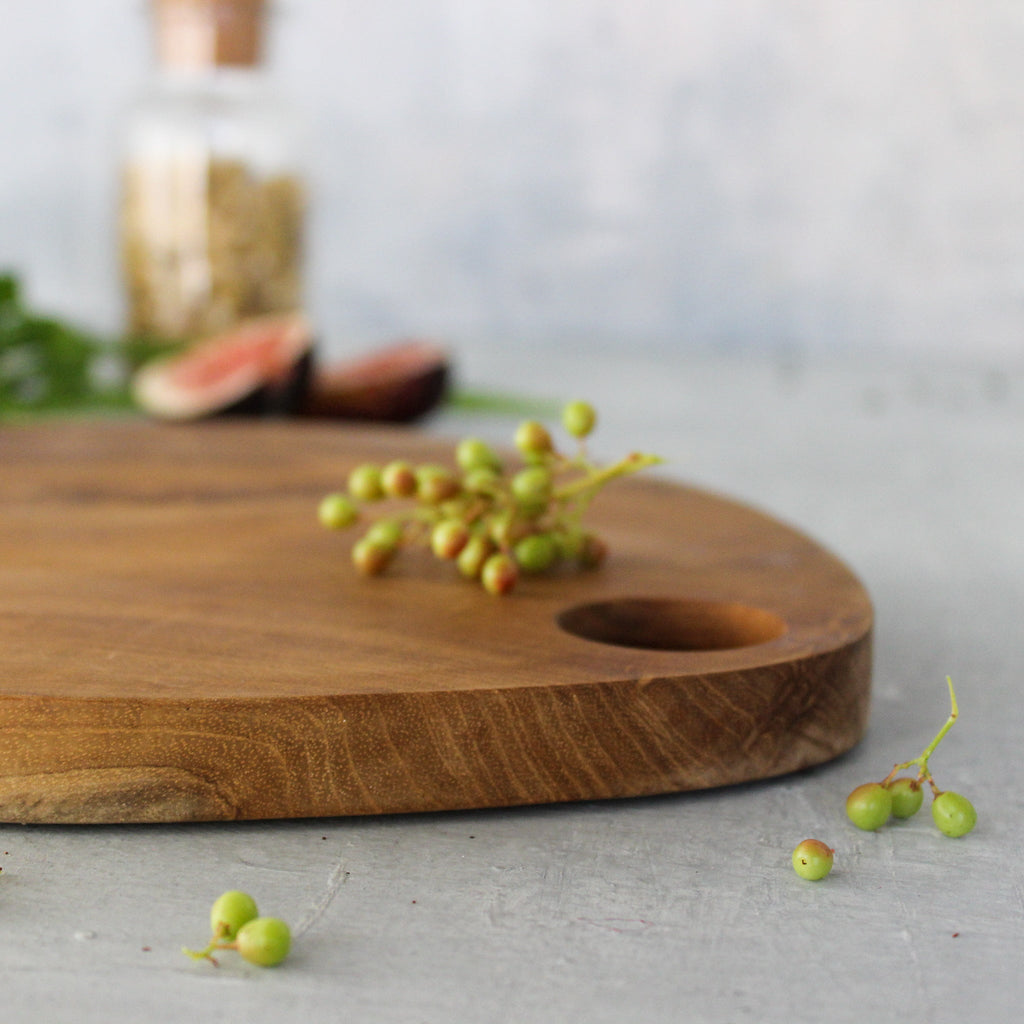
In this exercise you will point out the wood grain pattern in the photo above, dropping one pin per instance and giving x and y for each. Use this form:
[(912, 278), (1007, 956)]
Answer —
[(180, 641)]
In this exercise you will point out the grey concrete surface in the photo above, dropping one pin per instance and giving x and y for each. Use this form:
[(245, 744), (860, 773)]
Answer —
[(680, 908)]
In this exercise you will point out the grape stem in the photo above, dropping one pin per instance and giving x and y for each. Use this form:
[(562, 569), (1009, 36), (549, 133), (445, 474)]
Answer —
[(207, 954), (921, 761), (202, 954), (597, 479), (216, 942)]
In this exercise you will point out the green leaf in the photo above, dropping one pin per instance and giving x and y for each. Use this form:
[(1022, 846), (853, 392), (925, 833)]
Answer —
[(48, 365)]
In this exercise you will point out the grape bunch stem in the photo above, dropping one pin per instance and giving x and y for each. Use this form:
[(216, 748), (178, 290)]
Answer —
[(921, 761)]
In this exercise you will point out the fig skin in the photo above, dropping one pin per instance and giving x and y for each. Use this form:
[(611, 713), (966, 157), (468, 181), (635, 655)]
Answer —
[(396, 384)]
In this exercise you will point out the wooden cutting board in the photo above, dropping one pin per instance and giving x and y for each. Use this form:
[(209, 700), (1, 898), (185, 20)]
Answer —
[(180, 640)]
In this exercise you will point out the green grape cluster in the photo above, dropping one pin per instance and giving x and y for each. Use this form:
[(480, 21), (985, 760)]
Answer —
[(493, 521), (871, 805), (235, 924)]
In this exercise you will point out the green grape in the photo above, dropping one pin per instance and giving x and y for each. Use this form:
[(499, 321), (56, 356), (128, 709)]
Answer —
[(365, 483), (435, 484), (471, 558), (571, 542), (532, 486), (504, 531), (954, 814), (229, 912), (812, 859), (398, 479), (536, 552), (481, 481), (448, 538), (265, 941), (336, 511), (907, 797), (370, 557), (471, 453), (579, 418), (869, 806), (385, 533), (533, 440), (499, 574)]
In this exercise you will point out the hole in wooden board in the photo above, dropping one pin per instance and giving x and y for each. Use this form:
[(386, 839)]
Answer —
[(672, 625)]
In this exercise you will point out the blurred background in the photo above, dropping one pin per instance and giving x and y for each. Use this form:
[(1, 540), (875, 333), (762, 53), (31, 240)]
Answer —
[(784, 175)]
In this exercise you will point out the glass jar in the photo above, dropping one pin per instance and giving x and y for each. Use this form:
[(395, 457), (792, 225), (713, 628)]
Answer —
[(212, 200)]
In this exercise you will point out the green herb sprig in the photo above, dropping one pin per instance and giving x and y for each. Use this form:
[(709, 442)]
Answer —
[(51, 366)]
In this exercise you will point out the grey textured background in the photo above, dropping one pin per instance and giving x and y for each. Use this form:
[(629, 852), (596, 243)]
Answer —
[(670, 174)]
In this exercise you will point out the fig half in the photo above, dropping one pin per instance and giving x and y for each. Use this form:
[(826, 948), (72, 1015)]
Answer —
[(395, 384), (259, 367)]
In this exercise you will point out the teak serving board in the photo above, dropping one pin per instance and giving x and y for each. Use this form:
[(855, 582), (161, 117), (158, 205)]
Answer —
[(180, 640)]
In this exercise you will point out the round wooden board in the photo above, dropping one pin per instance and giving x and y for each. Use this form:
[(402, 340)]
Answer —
[(180, 640)]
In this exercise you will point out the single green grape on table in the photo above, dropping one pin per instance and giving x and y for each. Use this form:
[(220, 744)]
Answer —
[(495, 522), (813, 859)]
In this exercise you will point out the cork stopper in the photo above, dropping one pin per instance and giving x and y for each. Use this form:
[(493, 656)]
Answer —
[(194, 34)]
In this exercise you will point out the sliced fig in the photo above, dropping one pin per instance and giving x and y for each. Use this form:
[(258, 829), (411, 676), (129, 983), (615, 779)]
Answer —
[(259, 367), (395, 384)]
